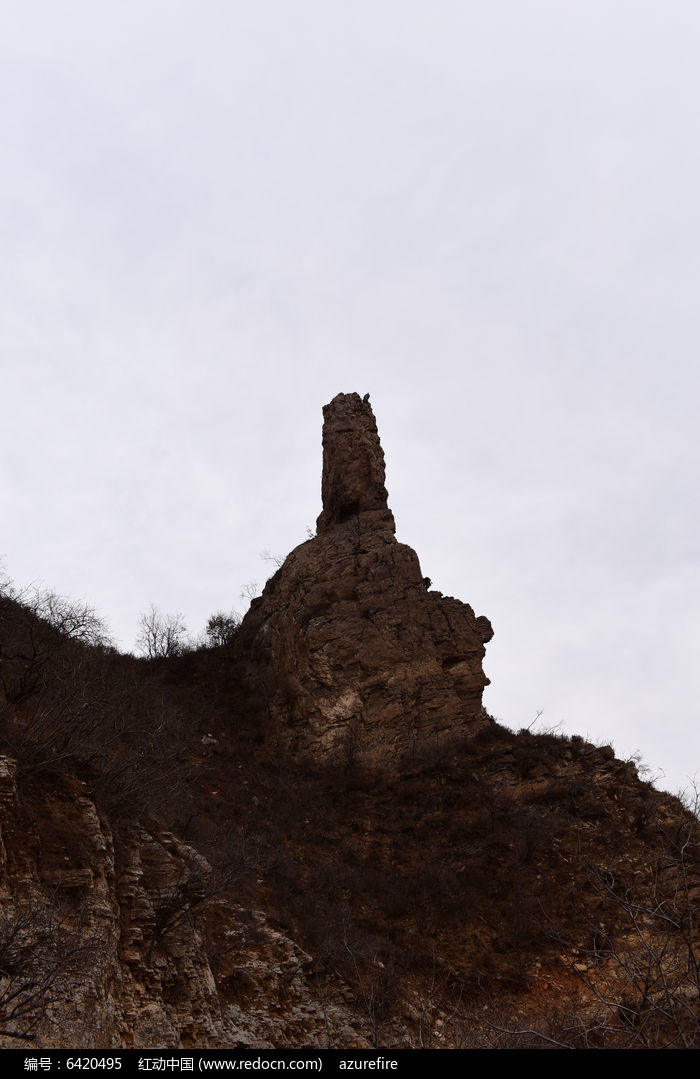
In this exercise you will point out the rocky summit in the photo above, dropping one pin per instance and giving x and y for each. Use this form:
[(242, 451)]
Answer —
[(360, 651), (307, 833)]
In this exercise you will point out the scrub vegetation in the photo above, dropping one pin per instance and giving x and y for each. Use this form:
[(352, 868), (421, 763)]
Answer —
[(505, 891)]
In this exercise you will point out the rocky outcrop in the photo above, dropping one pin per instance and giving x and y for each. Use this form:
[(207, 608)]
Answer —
[(352, 649), (444, 897), (125, 940)]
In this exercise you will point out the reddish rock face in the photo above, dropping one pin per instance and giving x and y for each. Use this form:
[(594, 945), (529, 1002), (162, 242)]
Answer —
[(353, 650)]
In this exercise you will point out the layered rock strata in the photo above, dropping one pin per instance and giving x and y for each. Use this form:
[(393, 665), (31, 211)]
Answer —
[(126, 941), (352, 648)]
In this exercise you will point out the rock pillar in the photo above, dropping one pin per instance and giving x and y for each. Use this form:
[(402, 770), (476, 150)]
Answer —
[(346, 645)]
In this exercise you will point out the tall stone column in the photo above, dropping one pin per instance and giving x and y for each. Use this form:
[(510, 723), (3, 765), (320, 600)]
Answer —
[(353, 477), (346, 642)]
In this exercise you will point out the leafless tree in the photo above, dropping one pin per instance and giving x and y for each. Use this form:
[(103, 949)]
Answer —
[(277, 559), (38, 961), (161, 635), (72, 618), (250, 591)]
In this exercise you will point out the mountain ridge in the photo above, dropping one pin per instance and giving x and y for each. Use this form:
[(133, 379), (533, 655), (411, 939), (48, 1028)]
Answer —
[(314, 834)]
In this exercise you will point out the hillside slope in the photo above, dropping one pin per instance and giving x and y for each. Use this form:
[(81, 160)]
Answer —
[(314, 834)]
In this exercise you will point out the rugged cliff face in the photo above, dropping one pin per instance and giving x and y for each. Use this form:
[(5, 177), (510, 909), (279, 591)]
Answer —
[(313, 835), (357, 651), (127, 938)]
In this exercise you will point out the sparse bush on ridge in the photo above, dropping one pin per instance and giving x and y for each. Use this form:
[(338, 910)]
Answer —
[(72, 618), (161, 636), (222, 627)]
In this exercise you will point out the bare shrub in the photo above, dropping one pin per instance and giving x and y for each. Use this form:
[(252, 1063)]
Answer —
[(639, 973)]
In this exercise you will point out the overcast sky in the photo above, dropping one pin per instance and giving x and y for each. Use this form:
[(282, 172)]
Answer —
[(215, 216)]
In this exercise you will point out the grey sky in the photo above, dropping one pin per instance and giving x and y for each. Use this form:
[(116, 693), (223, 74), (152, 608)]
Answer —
[(216, 216)]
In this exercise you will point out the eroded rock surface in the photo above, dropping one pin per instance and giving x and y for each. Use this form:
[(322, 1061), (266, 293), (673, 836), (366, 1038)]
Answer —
[(351, 647), (127, 942)]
